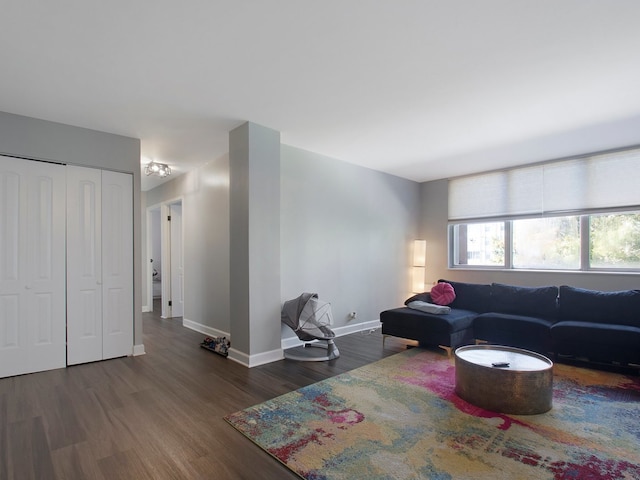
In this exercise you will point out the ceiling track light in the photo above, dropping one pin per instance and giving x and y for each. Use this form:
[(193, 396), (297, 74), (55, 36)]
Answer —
[(156, 168)]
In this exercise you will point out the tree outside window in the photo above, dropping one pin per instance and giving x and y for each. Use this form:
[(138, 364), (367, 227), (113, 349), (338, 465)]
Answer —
[(614, 241)]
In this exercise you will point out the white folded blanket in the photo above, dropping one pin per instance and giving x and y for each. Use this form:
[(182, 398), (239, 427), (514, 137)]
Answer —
[(429, 307)]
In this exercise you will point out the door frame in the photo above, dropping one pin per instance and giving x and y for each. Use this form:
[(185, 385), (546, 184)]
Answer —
[(149, 254), (165, 248), (176, 254)]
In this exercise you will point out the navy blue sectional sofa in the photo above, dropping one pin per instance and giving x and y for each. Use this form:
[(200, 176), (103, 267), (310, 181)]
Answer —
[(559, 321)]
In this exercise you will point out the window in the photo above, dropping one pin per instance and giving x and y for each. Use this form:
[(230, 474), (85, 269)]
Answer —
[(480, 244), (614, 241), (551, 243), (575, 214), (546, 243)]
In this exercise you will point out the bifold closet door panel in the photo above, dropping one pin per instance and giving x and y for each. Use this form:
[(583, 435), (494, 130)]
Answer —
[(32, 266), (99, 265), (117, 261), (84, 265)]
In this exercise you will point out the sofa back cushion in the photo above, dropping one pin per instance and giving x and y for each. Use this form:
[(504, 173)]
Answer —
[(470, 296), (621, 307), (527, 301)]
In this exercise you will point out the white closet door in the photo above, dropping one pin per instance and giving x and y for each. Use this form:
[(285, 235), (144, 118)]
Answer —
[(32, 266), (117, 261), (84, 265)]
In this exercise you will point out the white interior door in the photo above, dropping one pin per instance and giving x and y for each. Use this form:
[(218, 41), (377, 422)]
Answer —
[(177, 261), (32, 267), (84, 265), (99, 265), (117, 261)]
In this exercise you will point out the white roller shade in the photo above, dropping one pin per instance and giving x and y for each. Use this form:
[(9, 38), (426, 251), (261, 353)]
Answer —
[(600, 181)]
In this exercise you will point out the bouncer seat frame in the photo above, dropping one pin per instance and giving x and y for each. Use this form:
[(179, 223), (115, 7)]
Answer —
[(309, 318)]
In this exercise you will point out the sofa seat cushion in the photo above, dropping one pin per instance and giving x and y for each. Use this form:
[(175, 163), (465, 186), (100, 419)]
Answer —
[(527, 301), (451, 330), (512, 330), (577, 332), (621, 307), (416, 320), (600, 342)]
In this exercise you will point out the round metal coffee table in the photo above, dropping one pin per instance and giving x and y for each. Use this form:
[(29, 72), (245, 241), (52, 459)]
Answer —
[(504, 379)]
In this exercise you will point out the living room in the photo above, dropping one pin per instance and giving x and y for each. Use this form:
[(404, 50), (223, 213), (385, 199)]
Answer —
[(522, 91), (329, 227)]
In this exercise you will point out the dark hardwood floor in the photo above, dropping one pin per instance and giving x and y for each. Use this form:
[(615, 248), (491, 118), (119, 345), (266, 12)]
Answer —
[(156, 416)]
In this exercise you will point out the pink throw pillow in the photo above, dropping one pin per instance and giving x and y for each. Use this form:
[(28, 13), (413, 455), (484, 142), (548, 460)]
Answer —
[(443, 293)]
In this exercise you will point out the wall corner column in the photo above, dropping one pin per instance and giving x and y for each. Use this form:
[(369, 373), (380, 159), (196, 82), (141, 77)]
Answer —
[(254, 164)]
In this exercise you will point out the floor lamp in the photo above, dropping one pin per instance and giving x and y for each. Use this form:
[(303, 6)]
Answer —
[(419, 264)]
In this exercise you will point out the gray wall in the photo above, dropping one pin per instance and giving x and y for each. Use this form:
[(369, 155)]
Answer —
[(433, 226), (39, 139), (254, 158), (346, 234), (205, 223), (43, 140)]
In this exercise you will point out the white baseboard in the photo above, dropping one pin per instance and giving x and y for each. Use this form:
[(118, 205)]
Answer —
[(358, 327), (138, 350), (255, 360), (235, 355), (146, 309), (205, 329), (273, 355), (291, 342)]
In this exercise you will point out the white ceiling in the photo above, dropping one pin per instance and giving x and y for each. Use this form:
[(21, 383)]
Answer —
[(423, 89)]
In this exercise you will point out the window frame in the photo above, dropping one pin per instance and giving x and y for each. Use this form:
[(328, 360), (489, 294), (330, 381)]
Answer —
[(585, 241)]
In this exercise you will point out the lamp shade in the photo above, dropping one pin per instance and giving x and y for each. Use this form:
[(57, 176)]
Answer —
[(419, 262), (419, 253), (418, 280)]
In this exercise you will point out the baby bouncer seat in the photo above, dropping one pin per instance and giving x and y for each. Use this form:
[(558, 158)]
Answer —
[(309, 318)]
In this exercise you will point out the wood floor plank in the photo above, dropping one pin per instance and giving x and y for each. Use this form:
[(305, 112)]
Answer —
[(62, 422), (157, 416), (22, 403), (106, 432), (76, 461), (29, 452), (125, 466), (40, 450), (19, 463), (4, 437)]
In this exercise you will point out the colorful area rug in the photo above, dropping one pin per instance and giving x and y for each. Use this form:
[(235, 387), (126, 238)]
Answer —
[(399, 418)]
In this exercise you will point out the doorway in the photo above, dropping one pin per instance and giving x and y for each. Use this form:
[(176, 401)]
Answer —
[(165, 276), (155, 255)]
